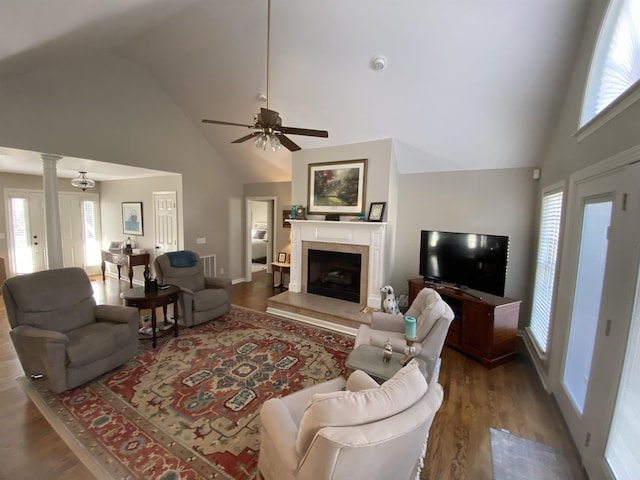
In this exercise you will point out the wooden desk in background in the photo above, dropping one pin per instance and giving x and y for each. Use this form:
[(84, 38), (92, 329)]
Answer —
[(129, 260)]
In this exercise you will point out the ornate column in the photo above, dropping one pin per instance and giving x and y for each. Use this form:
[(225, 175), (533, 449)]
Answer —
[(52, 210)]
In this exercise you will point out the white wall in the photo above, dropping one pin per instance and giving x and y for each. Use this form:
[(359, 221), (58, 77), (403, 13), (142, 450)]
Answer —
[(110, 110), (497, 202), (113, 193), (377, 153)]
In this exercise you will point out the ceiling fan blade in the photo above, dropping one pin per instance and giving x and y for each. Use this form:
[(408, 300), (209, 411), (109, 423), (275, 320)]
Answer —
[(304, 131), (288, 144), (270, 117), (218, 122), (246, 137)]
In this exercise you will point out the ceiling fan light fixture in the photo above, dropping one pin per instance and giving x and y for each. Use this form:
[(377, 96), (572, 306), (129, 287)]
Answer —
[(261, 141), (82, 182), (275, 143)]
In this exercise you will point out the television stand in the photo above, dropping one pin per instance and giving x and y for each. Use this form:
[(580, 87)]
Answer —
[(484, 326), (457, 288)]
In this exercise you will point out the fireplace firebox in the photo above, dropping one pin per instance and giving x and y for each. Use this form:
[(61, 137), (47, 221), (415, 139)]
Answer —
[(334, 274)]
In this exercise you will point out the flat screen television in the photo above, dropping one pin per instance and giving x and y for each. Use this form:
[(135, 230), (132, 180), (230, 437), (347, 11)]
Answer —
[(470, 260)]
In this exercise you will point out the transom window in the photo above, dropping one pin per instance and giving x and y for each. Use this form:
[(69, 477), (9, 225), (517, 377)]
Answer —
[(615, 67)]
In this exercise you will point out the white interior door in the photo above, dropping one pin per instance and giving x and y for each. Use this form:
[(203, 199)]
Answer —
[(166, 222)]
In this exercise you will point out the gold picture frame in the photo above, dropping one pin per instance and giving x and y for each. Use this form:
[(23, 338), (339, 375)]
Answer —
[(337, 187)]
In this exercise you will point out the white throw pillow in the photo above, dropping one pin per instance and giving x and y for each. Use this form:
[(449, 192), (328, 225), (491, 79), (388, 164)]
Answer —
[(344, 408)]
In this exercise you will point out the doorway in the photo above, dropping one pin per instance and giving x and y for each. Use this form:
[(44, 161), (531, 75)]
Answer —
[(260, 234), (79, 227), (165, 222), (597, 290)]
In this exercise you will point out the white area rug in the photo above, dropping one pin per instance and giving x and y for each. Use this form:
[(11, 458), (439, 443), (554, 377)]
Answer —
[(516, 458)]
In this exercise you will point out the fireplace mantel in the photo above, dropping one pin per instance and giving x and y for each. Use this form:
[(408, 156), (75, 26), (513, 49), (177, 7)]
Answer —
[(370, 234)]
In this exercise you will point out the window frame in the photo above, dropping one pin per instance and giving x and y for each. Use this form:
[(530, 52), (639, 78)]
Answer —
[(600, 53), (543, 351)]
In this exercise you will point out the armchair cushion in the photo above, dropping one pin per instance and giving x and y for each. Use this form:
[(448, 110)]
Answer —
[(95, 341), (427, 309), (209, 298), (346, 408)]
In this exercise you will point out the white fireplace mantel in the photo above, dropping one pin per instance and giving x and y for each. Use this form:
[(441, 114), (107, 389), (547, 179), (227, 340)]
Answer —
[(371, 234)]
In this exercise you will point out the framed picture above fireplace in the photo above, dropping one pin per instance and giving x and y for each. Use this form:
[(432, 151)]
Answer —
[(337, 187)]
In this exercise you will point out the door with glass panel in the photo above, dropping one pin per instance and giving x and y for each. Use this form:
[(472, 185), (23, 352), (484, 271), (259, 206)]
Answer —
[(79, 219), (597, 286)]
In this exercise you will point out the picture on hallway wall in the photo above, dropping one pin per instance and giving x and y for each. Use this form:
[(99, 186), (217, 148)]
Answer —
[(337, 187), (132, 218)]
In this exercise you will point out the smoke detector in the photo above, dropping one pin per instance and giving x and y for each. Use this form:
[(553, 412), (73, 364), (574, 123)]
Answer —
[(379, 63)]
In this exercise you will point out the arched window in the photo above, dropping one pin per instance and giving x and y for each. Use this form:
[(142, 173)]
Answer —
[(615, 67)]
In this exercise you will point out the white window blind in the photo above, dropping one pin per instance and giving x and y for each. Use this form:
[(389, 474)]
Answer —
[(616, 63), (546, 268)]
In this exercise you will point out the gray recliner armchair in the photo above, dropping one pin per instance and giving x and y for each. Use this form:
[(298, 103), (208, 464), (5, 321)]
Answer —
[(59, 332), (201, 298)]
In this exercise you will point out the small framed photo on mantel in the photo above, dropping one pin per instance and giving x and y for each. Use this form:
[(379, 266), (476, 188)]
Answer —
[(376, 211)]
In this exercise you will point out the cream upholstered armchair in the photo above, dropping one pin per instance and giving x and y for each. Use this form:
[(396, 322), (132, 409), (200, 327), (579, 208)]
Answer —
[(366, 431), (59, 332), (433, 318), (201, 298)]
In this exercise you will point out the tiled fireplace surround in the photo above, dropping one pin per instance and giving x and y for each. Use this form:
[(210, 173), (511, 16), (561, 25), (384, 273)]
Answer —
[(365, 238)]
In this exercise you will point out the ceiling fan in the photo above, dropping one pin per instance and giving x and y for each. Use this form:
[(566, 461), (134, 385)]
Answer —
[(268, 123)]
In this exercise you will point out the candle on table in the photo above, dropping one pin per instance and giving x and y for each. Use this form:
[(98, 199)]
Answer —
[(410, 327)]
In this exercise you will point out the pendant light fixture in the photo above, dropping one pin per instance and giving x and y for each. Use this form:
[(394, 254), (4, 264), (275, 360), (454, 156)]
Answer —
[(82, 182)]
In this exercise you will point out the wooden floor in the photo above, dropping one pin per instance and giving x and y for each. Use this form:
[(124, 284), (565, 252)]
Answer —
[(507, 397)]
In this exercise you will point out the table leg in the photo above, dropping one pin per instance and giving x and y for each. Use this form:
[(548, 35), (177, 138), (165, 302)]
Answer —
[(119, 271), (153, 327), (175, 318), (164, 312), (104, 269), (130, 277)]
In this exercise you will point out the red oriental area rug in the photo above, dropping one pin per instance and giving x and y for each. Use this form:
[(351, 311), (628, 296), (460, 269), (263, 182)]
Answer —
[(189, 409)]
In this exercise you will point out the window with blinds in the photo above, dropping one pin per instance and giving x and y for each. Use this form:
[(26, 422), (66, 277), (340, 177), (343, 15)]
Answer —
[(546, 268), (615, 67)]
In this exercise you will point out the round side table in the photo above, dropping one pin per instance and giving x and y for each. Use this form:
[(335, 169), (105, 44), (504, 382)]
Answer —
[(137, 297)]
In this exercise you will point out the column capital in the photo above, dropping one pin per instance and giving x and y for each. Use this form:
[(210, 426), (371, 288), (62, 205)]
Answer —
[(48, 157)]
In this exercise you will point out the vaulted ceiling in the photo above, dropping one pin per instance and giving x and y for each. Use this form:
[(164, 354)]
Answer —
[(469, 84)]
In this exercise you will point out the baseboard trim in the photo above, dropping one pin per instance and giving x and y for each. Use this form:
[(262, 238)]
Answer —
[(535, 359)]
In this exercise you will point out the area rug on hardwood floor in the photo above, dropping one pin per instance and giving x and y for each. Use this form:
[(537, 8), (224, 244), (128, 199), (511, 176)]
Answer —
[(189, 409), (516, 458)]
